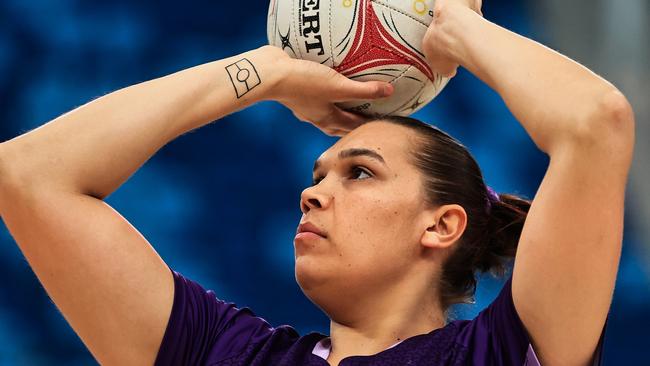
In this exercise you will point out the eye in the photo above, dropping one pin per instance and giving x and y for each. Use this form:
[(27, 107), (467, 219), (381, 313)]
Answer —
[(356, 171)]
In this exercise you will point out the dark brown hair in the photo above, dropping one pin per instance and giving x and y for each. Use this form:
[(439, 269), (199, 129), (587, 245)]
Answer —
[(452, 176)]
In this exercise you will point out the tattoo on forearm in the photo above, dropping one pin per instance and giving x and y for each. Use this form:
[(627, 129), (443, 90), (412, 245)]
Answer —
[(243, 76)]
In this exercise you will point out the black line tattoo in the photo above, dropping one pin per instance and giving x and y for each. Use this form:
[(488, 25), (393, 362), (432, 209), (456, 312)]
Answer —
[(244, 76)]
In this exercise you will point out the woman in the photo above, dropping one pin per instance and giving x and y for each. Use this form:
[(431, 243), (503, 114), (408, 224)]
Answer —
[(399, 215)]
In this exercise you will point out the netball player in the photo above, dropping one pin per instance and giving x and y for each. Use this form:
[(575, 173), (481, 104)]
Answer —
[(399, 215)]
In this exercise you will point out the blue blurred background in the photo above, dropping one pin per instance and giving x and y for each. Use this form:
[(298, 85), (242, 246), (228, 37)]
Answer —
[(221, 204)]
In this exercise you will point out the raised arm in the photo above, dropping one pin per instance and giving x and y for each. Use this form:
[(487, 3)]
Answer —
[(568, 253), (109, 283)]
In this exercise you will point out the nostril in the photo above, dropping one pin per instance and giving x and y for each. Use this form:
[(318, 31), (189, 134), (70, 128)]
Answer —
[(314, 202)]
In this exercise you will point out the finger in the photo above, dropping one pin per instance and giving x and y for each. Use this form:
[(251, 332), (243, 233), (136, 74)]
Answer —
[(344, 120), (452, 73), (349, 89), (333, 132), (445, 69), (340, 133), (299, 117)]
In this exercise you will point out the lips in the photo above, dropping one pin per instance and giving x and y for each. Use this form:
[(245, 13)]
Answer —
[(309, 227)]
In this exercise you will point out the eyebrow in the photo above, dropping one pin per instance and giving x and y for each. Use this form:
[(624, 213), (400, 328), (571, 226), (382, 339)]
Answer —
[(345, 154)]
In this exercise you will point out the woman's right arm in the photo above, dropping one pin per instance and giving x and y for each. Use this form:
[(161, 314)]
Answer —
[(107, 280), (95, 148)]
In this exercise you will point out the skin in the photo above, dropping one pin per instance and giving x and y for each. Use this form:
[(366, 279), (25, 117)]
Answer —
[(116, 292), (107, 280), (375, 272)]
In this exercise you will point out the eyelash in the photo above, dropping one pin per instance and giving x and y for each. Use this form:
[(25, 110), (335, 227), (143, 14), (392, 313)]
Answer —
[(354, 168)]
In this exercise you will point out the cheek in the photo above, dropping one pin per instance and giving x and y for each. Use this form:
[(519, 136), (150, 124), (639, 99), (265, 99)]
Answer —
[(368, 217), (373, 229)]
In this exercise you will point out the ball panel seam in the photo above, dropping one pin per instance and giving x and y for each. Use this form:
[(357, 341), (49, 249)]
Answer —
[(399, 11), (295, 22)]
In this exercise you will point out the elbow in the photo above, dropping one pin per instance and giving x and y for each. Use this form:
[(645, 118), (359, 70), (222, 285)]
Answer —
[(7, 173), (610, 124), (3, 175), (616, 114), (3, 163), (4, 168)]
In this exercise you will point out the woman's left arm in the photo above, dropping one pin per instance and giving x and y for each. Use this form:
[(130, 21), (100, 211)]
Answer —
[(568, 254)]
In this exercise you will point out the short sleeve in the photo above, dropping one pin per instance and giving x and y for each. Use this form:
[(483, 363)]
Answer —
[(203, 328), (497, 335)]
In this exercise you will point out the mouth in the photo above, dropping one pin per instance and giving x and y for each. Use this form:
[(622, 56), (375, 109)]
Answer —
[(308, 235), (307, 227)]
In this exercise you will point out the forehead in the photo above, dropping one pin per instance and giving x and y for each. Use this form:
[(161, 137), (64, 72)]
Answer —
[(386, 139)]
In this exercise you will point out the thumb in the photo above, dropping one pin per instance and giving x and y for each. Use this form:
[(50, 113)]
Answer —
[(352, 90)]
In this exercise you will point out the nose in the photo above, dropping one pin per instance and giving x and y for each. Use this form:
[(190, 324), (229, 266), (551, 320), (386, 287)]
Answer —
[(310, 198)]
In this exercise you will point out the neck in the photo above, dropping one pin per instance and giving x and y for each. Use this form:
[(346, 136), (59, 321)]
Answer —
[(399, 314)]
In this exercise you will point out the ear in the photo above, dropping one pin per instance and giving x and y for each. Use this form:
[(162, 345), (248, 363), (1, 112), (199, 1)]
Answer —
[(446, 225)]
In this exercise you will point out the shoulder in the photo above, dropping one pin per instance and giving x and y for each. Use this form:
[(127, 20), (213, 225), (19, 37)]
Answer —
[(496, 334), (203, 328)]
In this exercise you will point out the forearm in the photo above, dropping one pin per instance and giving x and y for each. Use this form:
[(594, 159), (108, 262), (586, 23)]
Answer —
[(95, 148), (552, 96)]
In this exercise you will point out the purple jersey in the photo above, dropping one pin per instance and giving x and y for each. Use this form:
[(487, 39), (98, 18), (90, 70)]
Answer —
[(204, 330)]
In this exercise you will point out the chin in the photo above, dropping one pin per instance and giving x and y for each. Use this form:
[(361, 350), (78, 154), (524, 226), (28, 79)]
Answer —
[(311, 274), (305, 276)]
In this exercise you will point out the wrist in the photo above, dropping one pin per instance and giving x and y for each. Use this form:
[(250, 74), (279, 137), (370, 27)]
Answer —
[(457, 24), (250, 77), (270, 61)]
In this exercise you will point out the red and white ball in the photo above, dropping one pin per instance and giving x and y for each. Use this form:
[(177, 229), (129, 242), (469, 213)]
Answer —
[(364, 40)]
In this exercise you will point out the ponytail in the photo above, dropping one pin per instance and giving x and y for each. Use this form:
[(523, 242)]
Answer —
[(452, 176), (490, 252), (504, 224)]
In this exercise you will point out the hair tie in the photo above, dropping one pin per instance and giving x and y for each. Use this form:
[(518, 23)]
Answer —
[(492, 197), (492, 194)]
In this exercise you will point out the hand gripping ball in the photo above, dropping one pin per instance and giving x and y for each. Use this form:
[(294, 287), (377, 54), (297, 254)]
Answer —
[(363, 40)]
